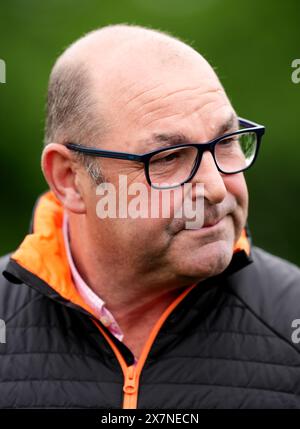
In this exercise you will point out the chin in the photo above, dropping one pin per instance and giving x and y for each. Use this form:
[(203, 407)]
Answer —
[(207, 261)]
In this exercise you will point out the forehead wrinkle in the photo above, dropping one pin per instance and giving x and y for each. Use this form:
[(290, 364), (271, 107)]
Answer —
[(181, 90), (175, 92), (143, 92), (151, 110)]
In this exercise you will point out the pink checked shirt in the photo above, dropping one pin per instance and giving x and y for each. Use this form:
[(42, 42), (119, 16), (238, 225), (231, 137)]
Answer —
[(93, 300)]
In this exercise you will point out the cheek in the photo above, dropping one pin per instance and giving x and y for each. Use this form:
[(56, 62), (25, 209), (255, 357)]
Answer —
[(237, 187)]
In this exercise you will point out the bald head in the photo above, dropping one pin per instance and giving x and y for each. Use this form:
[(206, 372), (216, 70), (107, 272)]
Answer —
[(96, 70)]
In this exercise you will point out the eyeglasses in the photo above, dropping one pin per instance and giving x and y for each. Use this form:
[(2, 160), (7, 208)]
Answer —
[(173, 166)]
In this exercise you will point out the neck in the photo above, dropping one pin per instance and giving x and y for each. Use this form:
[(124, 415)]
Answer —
[(135, 305)]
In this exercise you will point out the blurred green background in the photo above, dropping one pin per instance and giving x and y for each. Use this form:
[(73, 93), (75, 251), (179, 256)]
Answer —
[(251, 44)]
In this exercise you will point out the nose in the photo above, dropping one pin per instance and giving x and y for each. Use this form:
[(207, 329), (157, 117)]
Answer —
[(214, 188)]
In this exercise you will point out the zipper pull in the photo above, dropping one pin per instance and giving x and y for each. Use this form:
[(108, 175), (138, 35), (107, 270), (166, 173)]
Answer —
[(130, 386)]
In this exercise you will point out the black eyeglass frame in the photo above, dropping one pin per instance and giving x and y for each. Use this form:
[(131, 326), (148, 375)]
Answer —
[(250, 126)]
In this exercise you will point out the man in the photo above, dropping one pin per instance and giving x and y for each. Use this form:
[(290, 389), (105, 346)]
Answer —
[(144, 312)]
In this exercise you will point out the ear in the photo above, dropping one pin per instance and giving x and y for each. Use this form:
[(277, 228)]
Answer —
[(62, 175)]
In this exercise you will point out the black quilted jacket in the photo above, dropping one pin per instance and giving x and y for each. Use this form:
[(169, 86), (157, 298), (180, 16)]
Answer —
[(227, 344)]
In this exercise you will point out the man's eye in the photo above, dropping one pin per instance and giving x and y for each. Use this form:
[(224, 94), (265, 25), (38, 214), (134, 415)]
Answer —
[(170, 157), (166, 159), (228, 142)]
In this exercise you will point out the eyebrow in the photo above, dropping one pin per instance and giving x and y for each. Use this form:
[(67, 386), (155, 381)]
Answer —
[(174, 139)]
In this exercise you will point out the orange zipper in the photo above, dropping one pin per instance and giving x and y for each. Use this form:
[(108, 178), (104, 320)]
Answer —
[(130, 388), (132, 373)]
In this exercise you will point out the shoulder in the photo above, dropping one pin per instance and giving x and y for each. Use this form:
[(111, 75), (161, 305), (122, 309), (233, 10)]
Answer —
[(274, 266), (15, 298), (269, 276), (270, 289)]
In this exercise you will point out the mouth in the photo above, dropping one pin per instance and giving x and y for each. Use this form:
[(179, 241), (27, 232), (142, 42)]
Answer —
[(211, 226)]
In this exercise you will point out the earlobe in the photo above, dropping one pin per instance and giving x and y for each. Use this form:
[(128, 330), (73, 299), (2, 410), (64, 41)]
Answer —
[(73, 201), (61, 175)]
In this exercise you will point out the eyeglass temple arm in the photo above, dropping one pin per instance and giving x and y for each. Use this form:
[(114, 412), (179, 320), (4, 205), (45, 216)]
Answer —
[(248, 124), (103, 153)]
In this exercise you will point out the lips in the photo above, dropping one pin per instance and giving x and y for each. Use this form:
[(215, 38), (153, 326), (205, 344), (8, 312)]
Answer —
[(207, 225), (212, 217), (212, 223)]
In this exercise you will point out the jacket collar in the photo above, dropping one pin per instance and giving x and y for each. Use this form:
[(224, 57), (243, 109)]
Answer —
[(41, 260)]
